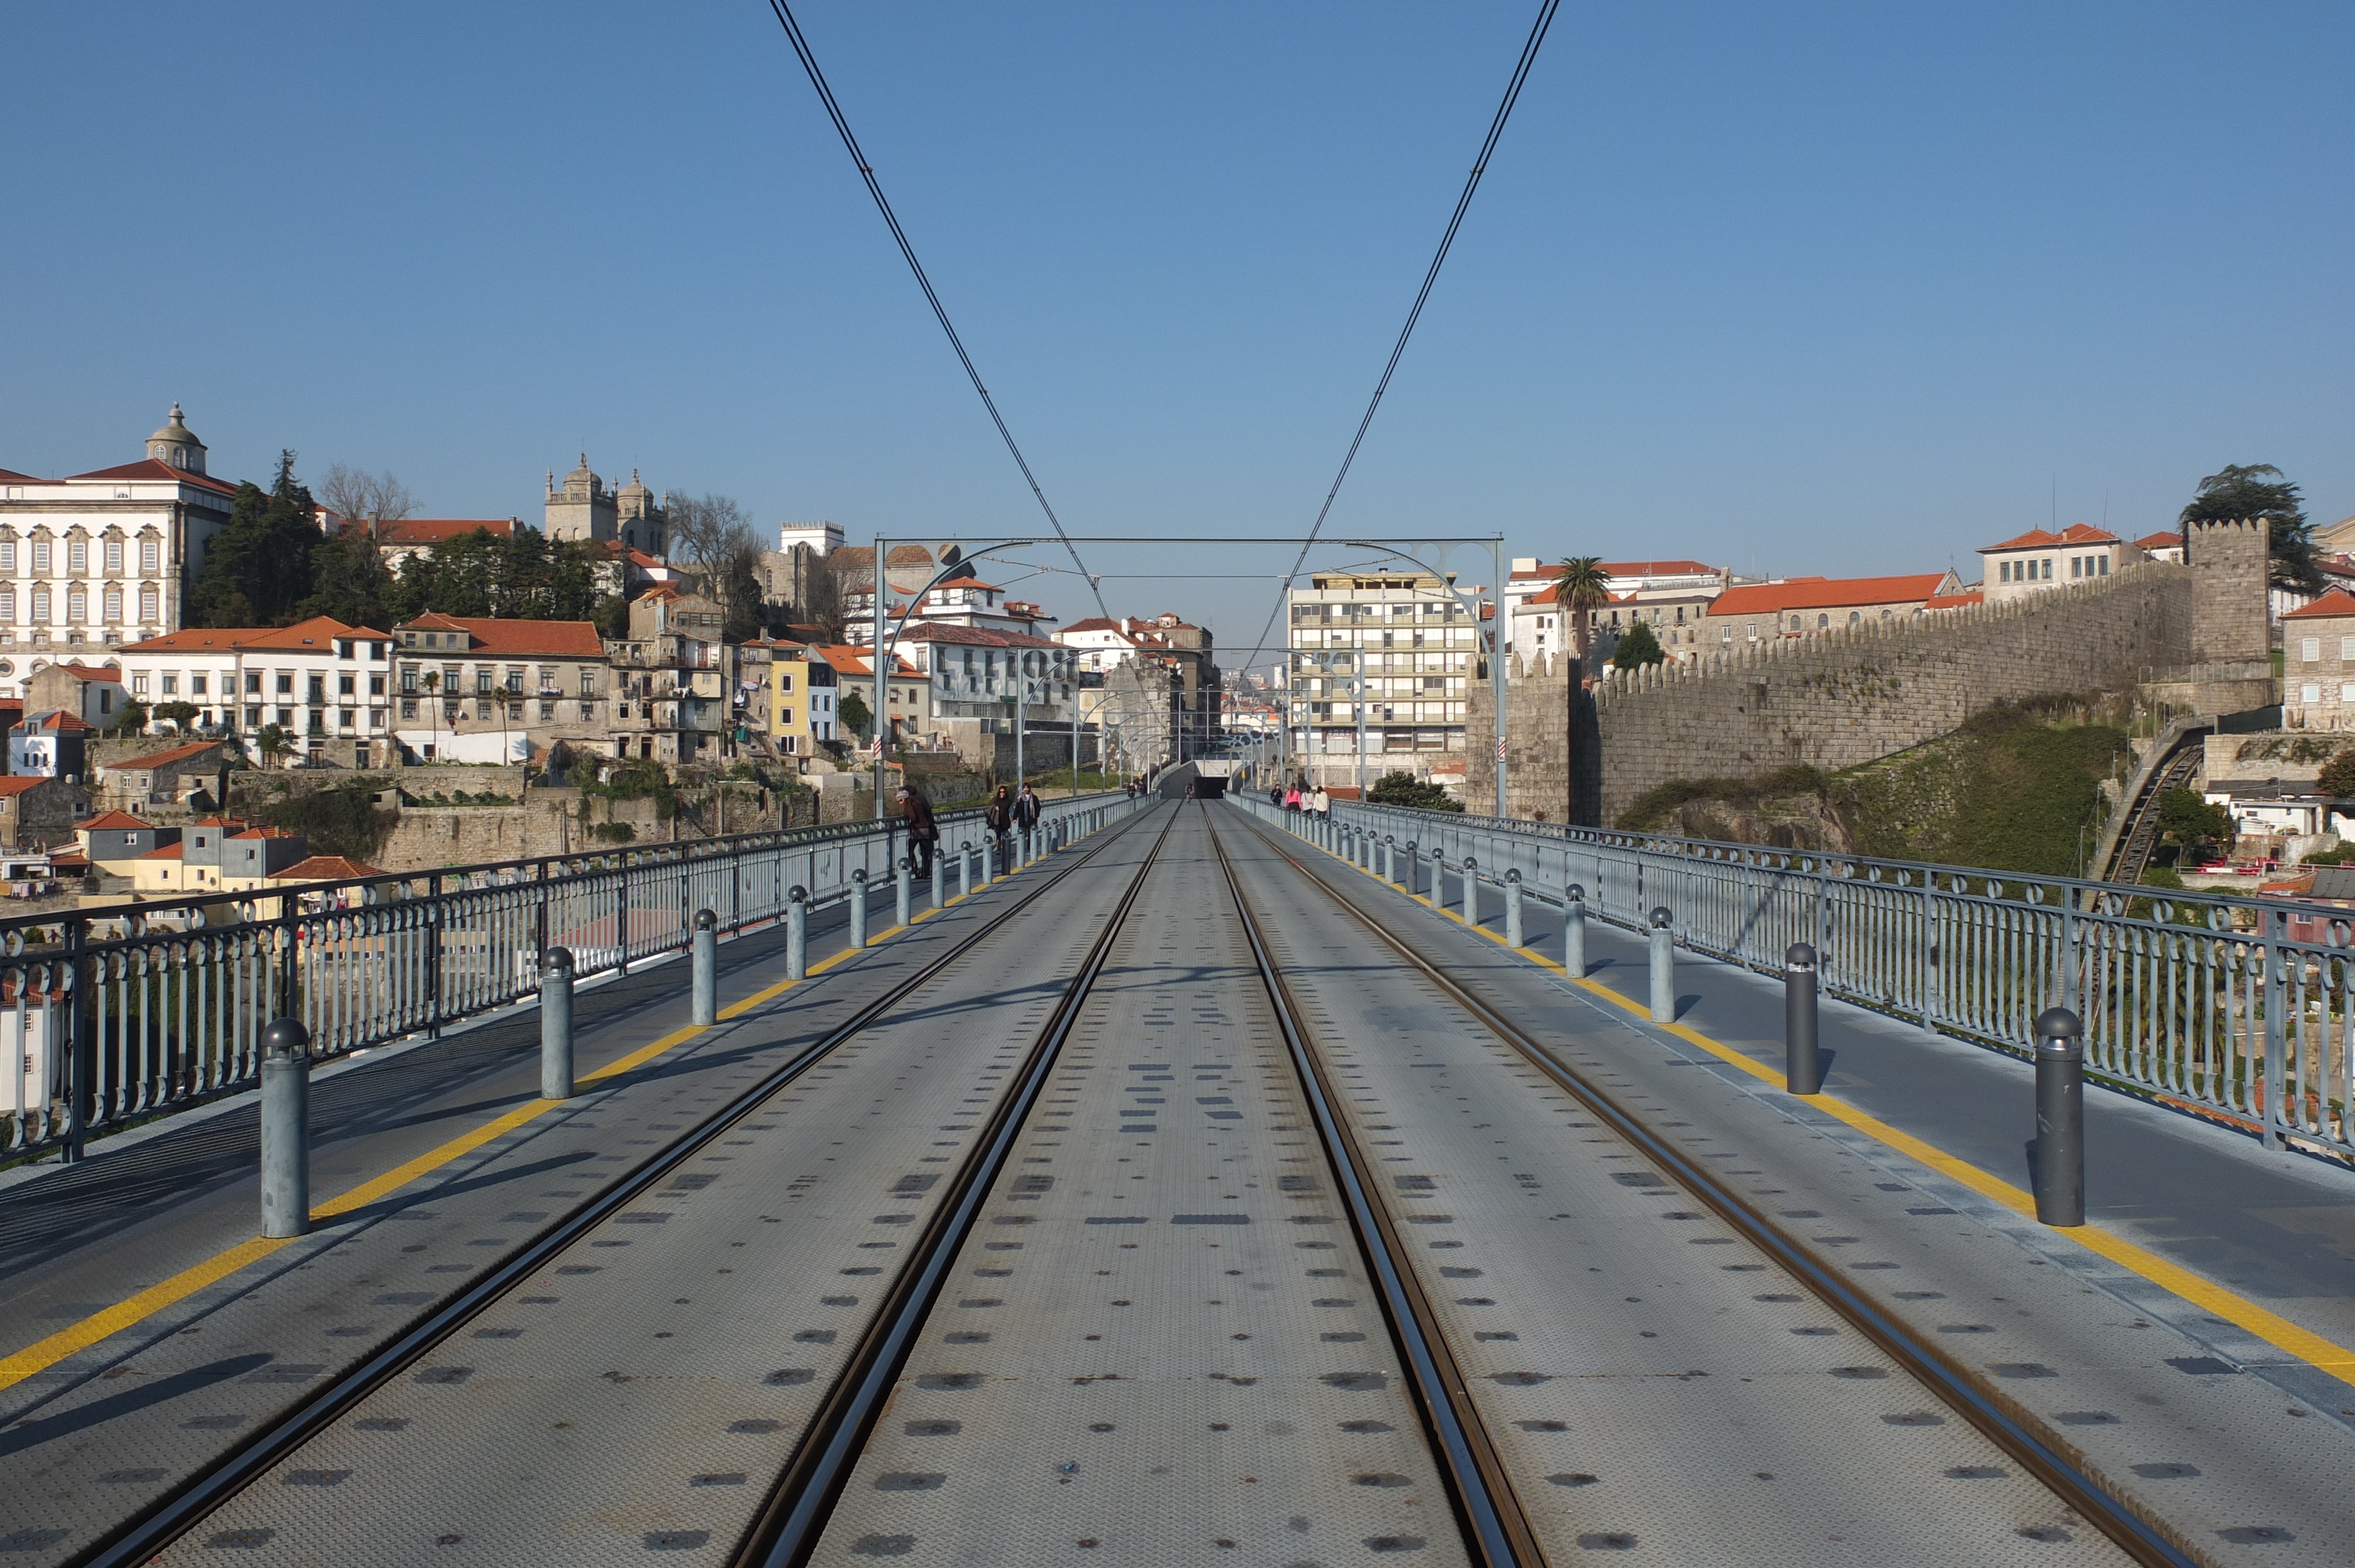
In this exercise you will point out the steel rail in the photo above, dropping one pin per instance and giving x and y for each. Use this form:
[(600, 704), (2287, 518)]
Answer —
[(792, 1522), (240, 1467), (1488, 1510), (2010, 1429)]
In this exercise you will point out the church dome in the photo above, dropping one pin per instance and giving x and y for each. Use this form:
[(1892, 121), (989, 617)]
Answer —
[(177, 444), (635, 487)]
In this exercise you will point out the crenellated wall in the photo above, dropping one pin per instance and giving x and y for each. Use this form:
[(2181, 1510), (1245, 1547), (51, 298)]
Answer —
[(1834, 700)]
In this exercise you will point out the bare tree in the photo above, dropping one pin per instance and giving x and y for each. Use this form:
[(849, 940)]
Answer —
[(359, 496), (708, 533)]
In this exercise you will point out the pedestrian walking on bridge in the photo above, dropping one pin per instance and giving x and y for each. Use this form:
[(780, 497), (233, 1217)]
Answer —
[(924, 833), (998, 816)]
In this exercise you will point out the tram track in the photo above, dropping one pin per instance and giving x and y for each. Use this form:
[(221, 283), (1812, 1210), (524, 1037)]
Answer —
[(234, 1472), (1958, 1387)]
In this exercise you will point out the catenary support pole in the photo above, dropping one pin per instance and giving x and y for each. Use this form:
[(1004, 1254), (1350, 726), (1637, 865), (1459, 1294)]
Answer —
[(285, 1128), (2060, 1118), (556, 1024), (706, 968), (1664, 967), (1802, 1072), (797, 933)]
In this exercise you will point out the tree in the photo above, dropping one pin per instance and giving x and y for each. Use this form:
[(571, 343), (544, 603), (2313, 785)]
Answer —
[(181, 714), (820, 600), (348, 582), (1401, 788), (272, 741), (2186, 818), (1637, 647), (855, 714), (2235, 493), (132, 717), (259, 568), (370, 500), (2339, 776), (747, 602), (1579, 589), (706, 533)]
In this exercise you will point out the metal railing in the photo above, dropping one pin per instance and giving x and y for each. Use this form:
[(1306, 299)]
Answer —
[(109, 1015), (2239, 1008)]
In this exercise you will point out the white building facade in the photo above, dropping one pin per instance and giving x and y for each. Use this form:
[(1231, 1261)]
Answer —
[(1413, 644), (96, 560), (326, 686)]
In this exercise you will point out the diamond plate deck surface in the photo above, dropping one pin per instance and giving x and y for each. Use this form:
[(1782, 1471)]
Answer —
[(2223, 1461)]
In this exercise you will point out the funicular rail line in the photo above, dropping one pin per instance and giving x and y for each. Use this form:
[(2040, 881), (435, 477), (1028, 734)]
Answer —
[(1495, 1529), (1958, 1387), (209, 1490)]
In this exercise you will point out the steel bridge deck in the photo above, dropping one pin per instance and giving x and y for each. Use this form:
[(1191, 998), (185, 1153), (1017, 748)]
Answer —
[(1165, 1336)]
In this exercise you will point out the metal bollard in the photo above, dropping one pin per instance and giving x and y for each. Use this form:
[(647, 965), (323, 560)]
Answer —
[(1471, 891), (2060, 1118), (1573, 931), (858, 907), (706, 967), (1513, 908), (285, 1128), (797, 933), (556, 1024), (1413, 868), (1802, 1072), (1664, 967), (964, 869), (939, 878), (1382, 858), (902, 894), (990, 859)]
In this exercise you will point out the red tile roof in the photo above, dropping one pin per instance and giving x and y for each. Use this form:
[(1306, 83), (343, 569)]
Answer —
[(149, 469), (267, 833), (57, 719), (165, 758), (520, 638), (2041, 539), (852, 661), (10, 476), (1825, 593), (17, 784), (109, 820), (2337, 602), (966, 581), (1956, 600), (976, 636), (318, 635), (429, 531), (2160, 541), (325, 868), (84, 672), (168, 852)]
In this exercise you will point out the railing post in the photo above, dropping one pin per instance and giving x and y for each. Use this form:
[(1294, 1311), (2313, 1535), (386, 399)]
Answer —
[(1471, 891), (2061, 1119), (81, 1043), (1663, 965), (858, 907), (903, 892), (2273, 927), (285, 1128), (797, 932), (1513, 907), (555, 1023), (705, 966), (1802, 1072)]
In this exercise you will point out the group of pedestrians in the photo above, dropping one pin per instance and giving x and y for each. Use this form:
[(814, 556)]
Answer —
[(1302, 796), (1006, 814)]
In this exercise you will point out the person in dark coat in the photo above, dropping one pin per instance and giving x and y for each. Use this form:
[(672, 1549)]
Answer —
[(999, 817), (924, 833), (1026, 809)]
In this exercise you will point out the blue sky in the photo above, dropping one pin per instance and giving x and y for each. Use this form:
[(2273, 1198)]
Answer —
[(1803, 288)]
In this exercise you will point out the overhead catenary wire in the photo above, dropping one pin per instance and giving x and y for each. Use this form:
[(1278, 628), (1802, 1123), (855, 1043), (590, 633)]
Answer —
[(1431, 277), (882, 204)]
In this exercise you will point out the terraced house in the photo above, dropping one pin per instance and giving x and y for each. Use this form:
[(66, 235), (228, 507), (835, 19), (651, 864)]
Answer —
[(478, 689)]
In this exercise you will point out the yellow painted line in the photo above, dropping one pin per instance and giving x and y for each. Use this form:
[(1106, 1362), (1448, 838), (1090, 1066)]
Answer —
[(46, 1353), (2209, 1296)]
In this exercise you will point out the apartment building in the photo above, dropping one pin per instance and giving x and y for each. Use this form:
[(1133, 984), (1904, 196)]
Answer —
[(2319, 664), (1411, 641), (479, 689), (325, 685), (2040, 559), (672, 678)]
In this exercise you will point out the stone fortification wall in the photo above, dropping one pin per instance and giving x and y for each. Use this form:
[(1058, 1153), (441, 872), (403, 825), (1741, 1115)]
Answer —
[(1848, 696)]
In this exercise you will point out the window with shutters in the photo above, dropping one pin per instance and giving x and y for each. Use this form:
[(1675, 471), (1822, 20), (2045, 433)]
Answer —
[(41, 605), (2309, 649), (78, 556), (114, 604), (147, 604), (2311, 693), (114, 555), (77, 604), (40, 554), (150, 555)]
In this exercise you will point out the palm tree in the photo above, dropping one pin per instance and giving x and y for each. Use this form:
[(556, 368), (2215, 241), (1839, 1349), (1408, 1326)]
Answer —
[(271, 742), (1580, 588)]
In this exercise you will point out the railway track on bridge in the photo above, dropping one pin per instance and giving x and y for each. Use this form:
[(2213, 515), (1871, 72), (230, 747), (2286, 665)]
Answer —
[(272, 1447), (1407, 1427)]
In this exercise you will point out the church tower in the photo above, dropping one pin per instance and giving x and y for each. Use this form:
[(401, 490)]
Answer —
[(582, 509), (640, 520), (178, 445)]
